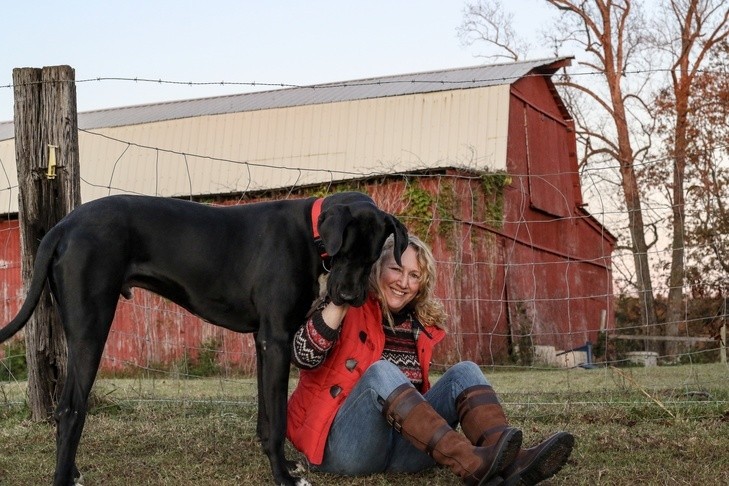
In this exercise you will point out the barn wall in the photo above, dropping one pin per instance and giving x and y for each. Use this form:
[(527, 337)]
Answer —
[(488, 281), (8, 177), (470, 262), (292, 146), (11, 282), (150, 332), (559, 257)]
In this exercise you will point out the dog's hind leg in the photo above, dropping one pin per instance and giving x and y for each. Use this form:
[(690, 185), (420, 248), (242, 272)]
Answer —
[(84, 355), (86, 314)]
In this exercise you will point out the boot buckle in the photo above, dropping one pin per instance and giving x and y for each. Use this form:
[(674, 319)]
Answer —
[(394, 423)]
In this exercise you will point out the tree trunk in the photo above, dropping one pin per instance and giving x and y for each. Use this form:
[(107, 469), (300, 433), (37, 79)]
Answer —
[(640, 257), (631, 194), (676, 307), (46, 131)]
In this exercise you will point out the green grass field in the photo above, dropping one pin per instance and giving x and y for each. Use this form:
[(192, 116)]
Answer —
[(662, 425)]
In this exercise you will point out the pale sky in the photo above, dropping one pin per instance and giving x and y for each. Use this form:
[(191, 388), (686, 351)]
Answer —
[(265, 41)]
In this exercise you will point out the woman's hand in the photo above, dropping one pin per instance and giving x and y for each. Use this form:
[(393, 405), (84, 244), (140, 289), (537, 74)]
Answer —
[(334, 314)]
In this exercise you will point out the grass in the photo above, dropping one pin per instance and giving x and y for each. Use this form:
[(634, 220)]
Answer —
[(664, 425)]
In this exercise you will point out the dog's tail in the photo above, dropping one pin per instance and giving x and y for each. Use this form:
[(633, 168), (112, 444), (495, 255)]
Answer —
[(40, 272)]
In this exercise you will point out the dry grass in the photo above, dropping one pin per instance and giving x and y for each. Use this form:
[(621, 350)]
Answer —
[(666, 425)]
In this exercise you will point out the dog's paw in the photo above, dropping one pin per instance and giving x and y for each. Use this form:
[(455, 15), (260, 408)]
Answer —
[(295, 468), (79, 481), (322, 280), (300, 482)]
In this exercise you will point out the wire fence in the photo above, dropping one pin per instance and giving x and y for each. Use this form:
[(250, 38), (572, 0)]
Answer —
[(224, 355)]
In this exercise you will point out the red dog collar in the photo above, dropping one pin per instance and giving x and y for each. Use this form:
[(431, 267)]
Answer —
[(315, 212)]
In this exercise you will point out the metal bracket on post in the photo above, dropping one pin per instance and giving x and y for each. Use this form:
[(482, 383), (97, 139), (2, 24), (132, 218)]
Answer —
[(51, 174)]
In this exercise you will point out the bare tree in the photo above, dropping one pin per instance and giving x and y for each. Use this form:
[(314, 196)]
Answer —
[(688, 31), (487, 22), (609, 33), (606, 33), (707, 174), (619, 50)]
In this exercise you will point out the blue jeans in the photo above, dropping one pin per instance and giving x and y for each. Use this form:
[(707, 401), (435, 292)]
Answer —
[(361, 442)]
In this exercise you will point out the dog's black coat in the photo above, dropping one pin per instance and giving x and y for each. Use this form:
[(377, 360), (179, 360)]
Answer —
[(249, 268)]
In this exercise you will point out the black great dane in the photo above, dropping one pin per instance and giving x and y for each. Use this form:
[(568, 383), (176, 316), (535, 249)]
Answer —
[(249, 268)]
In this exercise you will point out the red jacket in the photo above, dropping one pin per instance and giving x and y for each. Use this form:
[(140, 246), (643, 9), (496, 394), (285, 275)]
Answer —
[(321, 391)]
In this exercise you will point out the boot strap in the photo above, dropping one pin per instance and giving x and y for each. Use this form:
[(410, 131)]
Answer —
[(399, 405), (437, 436), (468, 401), (475, 390), (486, 433)]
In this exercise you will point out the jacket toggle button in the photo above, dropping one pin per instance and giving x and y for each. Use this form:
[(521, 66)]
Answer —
[(350, 364)]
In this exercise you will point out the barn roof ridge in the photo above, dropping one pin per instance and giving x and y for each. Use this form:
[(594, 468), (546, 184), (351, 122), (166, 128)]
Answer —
[(350, 90)]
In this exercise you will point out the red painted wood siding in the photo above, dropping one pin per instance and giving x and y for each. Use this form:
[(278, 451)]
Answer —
[(485, 274), (559, 263), (11, 284)]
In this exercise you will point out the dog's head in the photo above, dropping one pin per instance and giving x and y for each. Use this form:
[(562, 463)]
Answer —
[(353, 230)]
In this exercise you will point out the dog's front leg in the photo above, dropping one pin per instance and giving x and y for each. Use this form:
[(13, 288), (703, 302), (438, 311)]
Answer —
[(273, 358)]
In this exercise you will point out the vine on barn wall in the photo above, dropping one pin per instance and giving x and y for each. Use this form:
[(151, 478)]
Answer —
[(329, 189), (445, 205), (417, 214), (489, 211), (522, 352), (420, 206), (492, 186)]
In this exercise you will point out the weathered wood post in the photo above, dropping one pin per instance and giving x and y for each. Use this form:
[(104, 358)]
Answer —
[(722, 337), (46, 154)]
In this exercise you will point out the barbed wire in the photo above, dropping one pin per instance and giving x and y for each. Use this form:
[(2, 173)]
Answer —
[(380, 81), (603, 212), (645, 163)]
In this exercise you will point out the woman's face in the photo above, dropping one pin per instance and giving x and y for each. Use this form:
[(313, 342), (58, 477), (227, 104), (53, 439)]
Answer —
[(399, 285)]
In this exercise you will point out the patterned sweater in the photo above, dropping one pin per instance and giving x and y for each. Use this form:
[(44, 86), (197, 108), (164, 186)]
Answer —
[(314, 340)]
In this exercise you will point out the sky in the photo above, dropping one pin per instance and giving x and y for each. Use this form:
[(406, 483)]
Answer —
[(264, 41)]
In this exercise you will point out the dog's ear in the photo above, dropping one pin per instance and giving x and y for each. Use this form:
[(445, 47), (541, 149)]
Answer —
[(332, 224), (401, 237)]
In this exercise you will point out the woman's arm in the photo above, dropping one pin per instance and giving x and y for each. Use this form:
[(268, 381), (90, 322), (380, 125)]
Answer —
[(316, 337)]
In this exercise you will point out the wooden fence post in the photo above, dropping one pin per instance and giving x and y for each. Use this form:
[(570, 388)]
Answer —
[(722, 337), (46, 133)]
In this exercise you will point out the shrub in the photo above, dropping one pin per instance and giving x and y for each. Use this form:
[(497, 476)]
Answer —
[(14, 366)]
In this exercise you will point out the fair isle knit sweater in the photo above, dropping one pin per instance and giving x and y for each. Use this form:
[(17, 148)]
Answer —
[(315, 339)]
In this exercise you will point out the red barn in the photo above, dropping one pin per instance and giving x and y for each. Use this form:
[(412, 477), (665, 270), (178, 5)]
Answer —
[(479, 161)]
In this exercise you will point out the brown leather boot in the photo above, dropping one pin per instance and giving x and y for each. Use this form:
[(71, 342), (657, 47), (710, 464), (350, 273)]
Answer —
[(540, 462), (412, 416), (482, 419)]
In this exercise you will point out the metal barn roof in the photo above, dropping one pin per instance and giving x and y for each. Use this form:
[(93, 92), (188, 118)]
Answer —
[(295, 136), (379, 87)]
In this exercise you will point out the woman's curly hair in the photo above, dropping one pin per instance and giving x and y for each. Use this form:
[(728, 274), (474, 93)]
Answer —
[(428, 309)]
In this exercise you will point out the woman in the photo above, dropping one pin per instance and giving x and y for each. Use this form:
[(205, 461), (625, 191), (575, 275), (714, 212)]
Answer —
[(364, 403)]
